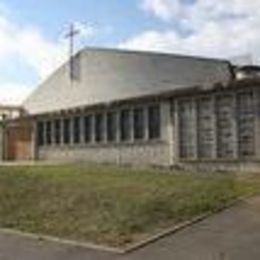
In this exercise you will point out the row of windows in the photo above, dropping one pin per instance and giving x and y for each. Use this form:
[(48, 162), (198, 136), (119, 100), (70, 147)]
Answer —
[(102, 127)]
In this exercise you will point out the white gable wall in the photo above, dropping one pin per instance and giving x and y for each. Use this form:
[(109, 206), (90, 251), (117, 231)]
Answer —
[(109, 75)]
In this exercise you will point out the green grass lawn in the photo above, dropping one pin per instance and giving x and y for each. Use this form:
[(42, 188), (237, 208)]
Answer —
[(110, 205)]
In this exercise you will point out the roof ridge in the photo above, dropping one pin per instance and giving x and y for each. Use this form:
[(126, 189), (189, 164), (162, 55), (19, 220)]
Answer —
[(151, 52)]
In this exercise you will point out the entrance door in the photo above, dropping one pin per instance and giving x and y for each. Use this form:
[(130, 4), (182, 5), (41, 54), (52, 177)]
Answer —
[(19, 141)]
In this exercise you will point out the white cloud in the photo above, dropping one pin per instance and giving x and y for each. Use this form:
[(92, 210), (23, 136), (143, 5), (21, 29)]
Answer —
[(85, 29), (36, 51), (13, 94), (30, 44), (165, 9), (39, 53), (200, 9), (217, 28)]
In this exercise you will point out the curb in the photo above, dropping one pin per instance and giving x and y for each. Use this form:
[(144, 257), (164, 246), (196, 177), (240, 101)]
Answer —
[(68, 242), (181, 226), (131, 247)]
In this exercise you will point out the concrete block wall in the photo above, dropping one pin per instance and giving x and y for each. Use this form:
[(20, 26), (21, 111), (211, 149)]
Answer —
[(137, 154), (208, 151), (219, 131), (235, 166), (143, 152)]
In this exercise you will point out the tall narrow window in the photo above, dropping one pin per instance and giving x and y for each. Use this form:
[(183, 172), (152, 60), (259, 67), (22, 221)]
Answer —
[(154, 122), (246, 124), (125, 125), (40, 133), (76, 130), (88, 129), (57, 131), (225, 126), (111, 126), (187, 128), (99, 127), (48, 132), (205, 125), (139, 126), (66, 131)]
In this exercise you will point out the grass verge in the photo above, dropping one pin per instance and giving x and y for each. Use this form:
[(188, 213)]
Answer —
[(111, 205)]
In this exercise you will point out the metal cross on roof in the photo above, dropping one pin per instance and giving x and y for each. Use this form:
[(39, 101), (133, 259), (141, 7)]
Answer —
[(71, 35)]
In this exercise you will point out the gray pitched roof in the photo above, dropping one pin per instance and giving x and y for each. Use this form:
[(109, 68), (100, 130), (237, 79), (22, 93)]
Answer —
[(108, 75)]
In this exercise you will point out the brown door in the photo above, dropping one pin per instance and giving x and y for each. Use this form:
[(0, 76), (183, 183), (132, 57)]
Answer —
[(19, 141)]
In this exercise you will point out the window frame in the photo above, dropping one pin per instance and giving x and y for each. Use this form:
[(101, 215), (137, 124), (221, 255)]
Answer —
[(139, 130), (48, 132), (99, 127), (154, 122), (40, 133), (76, 133), (88, 135), (125, 125), (66, 131), (111, 126), (57, 135)]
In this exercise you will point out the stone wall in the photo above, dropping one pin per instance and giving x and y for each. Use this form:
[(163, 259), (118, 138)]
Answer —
[(218, 125), (235, 166), (206, 132), (137, 154), (218, 130)]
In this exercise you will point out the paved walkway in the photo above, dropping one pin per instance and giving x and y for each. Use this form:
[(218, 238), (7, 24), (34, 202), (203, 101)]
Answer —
[(231, 235)]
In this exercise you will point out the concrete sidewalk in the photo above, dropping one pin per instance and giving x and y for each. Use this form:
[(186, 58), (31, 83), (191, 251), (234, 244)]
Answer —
[(231, 235)]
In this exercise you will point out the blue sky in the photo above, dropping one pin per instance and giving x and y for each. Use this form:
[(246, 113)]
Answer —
[(53, 16), (32, 43)]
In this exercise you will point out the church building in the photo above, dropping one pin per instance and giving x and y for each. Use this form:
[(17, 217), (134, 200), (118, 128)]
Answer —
[(141, 108)]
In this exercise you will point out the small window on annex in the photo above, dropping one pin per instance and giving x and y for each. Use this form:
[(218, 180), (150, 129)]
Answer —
[(48, 132), (139, 124), (125, 125), (76, 130), (154, 122), (57, 131), (40, 133), (87, 129), (111, 126), (66, 131), (99, 127)]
